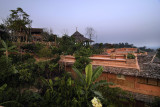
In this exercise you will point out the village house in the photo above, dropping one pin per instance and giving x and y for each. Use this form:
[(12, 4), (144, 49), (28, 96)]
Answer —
[(35, 33), (138, 76)]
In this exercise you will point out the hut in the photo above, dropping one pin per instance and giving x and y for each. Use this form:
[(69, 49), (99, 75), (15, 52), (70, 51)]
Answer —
[(79, 38), (36, 34)]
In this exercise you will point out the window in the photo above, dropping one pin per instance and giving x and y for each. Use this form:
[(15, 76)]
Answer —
[(120, 77), (142, 80), (152, 82), (159, 83), (149, 81)]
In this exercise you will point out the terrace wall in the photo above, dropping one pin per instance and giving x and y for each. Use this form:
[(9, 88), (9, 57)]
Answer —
[(106, 60), (132, 83), (128, 83)]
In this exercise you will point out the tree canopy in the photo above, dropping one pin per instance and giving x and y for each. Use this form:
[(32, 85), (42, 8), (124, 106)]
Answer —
[(18, 21)]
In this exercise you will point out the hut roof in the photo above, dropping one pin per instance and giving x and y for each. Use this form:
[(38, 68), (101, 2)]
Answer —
[(80, 38)]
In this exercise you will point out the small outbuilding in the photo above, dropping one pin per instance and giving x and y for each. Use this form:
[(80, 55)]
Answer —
[(79, 38)]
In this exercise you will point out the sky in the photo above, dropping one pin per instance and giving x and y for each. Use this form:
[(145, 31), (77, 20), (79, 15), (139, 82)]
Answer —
[(134, 21)]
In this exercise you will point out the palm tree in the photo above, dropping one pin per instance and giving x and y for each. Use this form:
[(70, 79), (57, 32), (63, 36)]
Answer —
[(7, 49)]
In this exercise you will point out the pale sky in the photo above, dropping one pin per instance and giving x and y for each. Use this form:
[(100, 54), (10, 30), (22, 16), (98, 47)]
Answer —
[(132, 21)]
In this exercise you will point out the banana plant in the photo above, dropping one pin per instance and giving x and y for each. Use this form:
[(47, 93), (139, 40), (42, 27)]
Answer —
[(49, 92), (7, 49), (88, 80)]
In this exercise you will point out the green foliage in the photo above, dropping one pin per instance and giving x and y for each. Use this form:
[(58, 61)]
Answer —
[(52, 38), (56, 51), (41, 68), (88, 84), (158, 53), (32, 48), (96, 73), (18, 58), (156, 102), (18, 21), (27, 73), (67, 45), (4, 35), (2, 88), (82, 59), (7, 49), (131, 56), (9, 96), (54, 93), (6, 69), (98, 48), (145, 49), (115, 97), (45, 52), (88, 71), (31, 99)]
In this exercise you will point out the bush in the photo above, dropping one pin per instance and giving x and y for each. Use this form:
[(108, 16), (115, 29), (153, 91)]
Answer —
[(56, 50), (16, 58), (31, 99), (131, 56), (82, 59), (6, 69), (45, 52), (32, 48)]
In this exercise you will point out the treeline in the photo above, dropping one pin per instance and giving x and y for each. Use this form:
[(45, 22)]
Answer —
[(121, 45)]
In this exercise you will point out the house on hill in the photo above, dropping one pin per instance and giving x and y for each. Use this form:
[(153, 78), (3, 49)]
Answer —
[(79, 38), (36, 34), (137, 76)]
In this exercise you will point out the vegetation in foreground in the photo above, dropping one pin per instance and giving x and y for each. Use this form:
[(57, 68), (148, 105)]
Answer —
[(25, 82)]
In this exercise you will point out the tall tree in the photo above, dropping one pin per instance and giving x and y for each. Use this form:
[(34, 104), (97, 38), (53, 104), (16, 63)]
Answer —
[(19, 22)]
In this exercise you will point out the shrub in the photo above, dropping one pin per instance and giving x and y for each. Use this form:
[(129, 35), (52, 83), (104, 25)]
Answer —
[(131, 56), (82, 59), (16, 58), (6, 69), (32, 48), (45, 52), (56, 50), (30, 99)]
